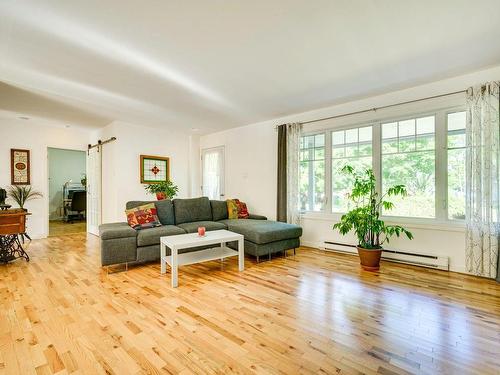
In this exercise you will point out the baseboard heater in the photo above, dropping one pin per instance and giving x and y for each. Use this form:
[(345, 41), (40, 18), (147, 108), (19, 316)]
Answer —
[(416, 259)]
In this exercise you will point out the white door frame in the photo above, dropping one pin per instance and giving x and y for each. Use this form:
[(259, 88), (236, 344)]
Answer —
[(223, 169)]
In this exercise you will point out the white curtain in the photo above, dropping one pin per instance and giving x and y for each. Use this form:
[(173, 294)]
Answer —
[(211, 174), (482, 192), (293, 144)]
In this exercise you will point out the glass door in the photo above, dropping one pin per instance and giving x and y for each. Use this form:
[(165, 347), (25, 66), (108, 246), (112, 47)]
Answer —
[(212, 160)]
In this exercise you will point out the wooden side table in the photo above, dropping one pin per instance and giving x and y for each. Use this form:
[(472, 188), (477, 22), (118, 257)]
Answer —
[(12, 225)]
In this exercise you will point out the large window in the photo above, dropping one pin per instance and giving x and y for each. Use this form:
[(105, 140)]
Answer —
[(408, 158), (312, 172), (456, 165), (349, 147), (425, 153)]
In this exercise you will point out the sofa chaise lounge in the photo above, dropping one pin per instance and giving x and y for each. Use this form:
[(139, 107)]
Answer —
[(120, 244)]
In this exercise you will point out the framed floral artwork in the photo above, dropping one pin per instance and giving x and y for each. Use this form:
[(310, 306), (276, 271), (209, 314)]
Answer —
[(154, 169), (19, 167)]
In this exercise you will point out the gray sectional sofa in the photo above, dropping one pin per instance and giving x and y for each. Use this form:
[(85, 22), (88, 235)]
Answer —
[(122, 244)]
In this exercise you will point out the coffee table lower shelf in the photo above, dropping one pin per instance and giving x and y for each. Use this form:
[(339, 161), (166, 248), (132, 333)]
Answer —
[(202, 256)]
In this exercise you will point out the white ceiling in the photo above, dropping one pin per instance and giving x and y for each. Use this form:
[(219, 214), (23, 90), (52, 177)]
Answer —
[(217, 64)]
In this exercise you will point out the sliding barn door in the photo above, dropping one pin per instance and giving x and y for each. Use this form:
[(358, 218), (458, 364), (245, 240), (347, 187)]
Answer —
[(94, 177)]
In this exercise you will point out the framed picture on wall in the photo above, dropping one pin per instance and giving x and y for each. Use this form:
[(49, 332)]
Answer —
[(154, 169), (19, 167)]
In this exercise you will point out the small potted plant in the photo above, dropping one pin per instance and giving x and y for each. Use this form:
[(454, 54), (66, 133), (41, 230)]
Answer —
[(364, 218), (163, 190), (83, 180), (23, 193)]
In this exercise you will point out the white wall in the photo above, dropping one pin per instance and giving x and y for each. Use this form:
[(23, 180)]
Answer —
[(120, 163), (194, 166), (121, 167), (64, 165), (251, 163), (36, 136)]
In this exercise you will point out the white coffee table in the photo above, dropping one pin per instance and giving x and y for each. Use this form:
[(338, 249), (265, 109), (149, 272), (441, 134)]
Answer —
[(183, 241)]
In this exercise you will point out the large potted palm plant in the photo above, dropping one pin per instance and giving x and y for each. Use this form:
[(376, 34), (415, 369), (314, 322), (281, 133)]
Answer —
[(364, 218)]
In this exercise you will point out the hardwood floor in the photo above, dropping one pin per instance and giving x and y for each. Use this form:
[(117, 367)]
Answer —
[(61, 228), (312, 313)]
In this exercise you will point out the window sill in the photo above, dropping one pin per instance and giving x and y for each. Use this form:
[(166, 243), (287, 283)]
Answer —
[(408, 222)]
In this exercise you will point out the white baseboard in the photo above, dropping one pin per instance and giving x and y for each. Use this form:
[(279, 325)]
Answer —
[(459, 269), (37, 236), (313, 244), (317, 245)]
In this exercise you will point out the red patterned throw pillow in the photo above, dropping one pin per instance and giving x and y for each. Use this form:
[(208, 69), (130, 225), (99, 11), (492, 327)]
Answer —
[(242, 210), (237, 209), (143, 217)]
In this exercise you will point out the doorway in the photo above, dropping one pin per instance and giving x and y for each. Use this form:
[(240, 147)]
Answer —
[(67, 191), (212, 160)]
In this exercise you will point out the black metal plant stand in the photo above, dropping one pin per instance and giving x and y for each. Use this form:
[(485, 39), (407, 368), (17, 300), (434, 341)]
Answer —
[(11, 248)]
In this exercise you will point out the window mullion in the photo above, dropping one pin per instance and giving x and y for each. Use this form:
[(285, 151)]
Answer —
[(311, 183), (441, 167), (328, 171), (377, 155)]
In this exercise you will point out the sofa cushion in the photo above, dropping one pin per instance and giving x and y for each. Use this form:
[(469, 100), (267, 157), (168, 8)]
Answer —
[(116, 230), (118, 250), (209, 225), (263, 231), (219, 210), (194, 209), (152, 236), (164, 209), (267, 248)]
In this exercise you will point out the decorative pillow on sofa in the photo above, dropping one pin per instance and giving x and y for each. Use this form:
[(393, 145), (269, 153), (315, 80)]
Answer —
[(143, 217), (232, 209), (236, 209), (242, 210)]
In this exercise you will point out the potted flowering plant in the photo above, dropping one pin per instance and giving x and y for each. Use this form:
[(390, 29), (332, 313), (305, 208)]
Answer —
[(163, 190), (364, 218)]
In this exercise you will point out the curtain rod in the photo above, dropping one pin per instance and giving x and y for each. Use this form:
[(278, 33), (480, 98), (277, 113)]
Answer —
[(100, 143), (382, 107)]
